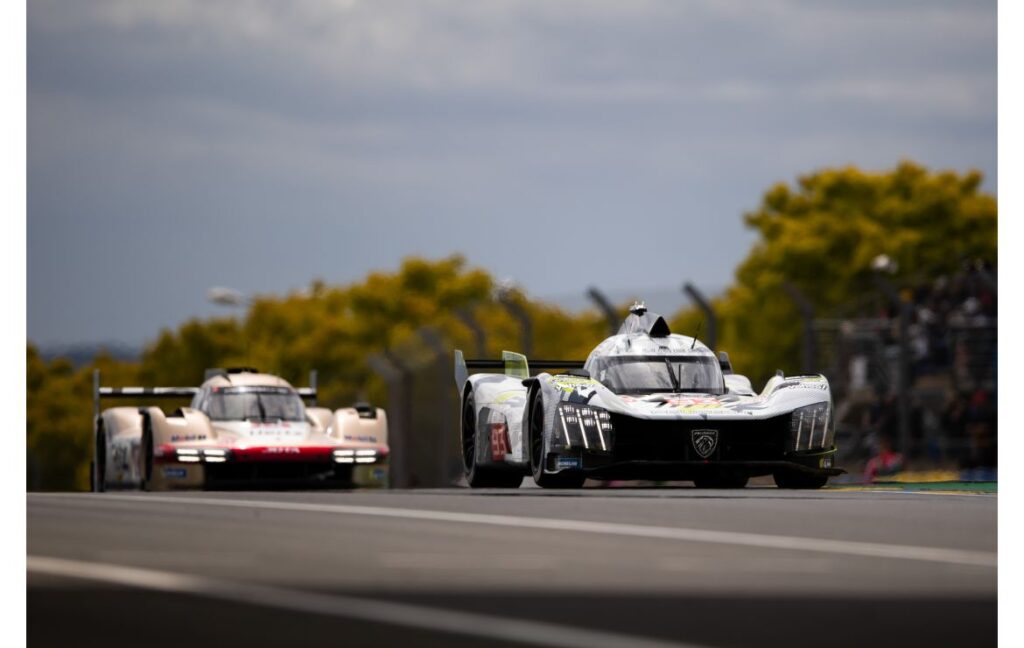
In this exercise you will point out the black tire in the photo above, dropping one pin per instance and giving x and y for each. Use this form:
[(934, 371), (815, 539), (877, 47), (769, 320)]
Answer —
[(98, 468), (798, 480), (481, 476), (722, 480), (563, 479), (146, 457)]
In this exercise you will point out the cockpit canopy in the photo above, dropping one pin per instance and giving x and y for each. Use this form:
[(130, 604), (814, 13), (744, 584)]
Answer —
[(252, 403), (644, 374)]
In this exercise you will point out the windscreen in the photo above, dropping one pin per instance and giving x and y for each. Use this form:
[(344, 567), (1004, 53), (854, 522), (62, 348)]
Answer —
[(647, 374), (255, 403)]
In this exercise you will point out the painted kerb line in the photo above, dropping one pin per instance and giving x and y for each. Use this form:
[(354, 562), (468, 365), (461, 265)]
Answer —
[(385, 612), (788, 543)]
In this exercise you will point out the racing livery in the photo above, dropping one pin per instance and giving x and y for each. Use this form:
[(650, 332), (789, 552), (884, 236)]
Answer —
[(242, 427), (646, 404)]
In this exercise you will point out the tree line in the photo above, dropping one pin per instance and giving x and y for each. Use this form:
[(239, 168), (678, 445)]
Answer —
[(821, 234)]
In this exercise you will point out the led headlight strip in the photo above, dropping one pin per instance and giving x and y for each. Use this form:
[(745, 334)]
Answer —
[(347, 456), (195, 455), (585, 417), (812, 421)]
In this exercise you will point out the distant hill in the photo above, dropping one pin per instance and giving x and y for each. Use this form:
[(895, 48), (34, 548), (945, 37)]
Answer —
[(83, 353)]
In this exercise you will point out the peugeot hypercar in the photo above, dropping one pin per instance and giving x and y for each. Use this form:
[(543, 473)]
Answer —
[(242, 428), (646, 404)]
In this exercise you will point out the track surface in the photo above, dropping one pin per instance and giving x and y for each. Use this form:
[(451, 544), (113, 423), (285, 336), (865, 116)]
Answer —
[(757, 567)]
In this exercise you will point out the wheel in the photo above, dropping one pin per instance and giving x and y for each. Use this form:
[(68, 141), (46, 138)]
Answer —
[(722, 480), (146, 457), (564, 479), (481, 476), (799, 480), (98, 468)]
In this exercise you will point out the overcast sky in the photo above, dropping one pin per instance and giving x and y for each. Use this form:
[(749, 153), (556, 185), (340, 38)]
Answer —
[(175, 145)]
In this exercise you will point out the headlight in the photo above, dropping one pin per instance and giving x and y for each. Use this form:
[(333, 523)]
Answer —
[(359, 456), (583, 426), (812, 427)]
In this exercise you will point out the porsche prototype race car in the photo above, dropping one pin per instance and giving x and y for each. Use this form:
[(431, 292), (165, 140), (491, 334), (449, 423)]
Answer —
[(646, 404), (242, 428)]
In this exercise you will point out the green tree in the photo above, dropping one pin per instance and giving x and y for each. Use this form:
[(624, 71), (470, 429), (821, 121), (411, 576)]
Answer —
[(823, 234)]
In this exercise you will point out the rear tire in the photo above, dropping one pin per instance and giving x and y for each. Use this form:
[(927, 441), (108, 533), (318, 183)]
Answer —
[(801, 481), (563, 479), (98, 468), (722, 481), (481, 476), (146, 457)]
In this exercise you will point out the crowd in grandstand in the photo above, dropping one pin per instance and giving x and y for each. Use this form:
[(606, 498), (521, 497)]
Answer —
[(951, 340)]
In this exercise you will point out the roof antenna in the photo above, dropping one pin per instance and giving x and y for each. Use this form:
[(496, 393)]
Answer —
[(694, 343)]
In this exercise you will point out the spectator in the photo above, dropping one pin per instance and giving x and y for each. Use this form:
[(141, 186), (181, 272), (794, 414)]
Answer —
[(885, 463)]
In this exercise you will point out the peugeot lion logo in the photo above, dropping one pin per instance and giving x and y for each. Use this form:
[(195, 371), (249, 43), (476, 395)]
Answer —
[(704, 442)]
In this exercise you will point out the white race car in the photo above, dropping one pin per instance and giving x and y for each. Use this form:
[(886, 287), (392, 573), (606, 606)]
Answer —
[(646, 404), (242, 428)]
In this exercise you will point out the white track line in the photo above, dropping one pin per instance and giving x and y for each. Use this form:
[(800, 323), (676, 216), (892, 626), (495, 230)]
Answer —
[(790, 543), (402, 614)]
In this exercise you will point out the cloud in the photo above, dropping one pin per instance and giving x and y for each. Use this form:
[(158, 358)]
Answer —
[(366, 118)]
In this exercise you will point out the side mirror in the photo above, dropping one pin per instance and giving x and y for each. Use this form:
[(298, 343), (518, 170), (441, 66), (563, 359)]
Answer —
[(724, 362), (365, 410)]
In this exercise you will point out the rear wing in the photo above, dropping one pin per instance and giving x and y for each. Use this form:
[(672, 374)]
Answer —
[(511, 364), (100, 392)]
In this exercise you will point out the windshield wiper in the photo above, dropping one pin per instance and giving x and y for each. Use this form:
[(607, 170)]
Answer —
[(671, 374)]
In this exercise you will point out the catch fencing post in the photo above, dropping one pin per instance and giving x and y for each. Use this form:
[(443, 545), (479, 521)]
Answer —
[(397, 380), (445, 447), (903, 385), (709, 313), (809, 356), (466, 316), (517, 311), (93, 473), (606, 309)]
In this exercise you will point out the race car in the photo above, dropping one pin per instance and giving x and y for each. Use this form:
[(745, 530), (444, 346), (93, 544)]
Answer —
[(242, 428), (647, 404)]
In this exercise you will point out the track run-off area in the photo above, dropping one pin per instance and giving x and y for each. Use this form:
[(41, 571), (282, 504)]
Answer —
[(454, 567)]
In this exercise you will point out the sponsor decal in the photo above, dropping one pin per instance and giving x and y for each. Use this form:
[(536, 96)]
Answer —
[(364, 437), (175, 473), (567, 462), (499, 441), (688, 403), (276, 429), (281, 450), (511, 394), (704, 442), (805, 383), (571, 383), (187, 437)]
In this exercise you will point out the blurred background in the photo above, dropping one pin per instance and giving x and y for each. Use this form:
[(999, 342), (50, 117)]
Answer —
[(360, 187)]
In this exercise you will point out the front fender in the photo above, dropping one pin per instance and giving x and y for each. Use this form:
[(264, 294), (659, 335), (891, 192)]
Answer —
[(552, 392), (186, 426), (122, 430), (498, 400)]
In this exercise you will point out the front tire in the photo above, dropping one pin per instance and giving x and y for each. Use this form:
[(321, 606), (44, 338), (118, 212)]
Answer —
[(478, 476), (99, 465), (801, 481), (564, 479), (146, 457)]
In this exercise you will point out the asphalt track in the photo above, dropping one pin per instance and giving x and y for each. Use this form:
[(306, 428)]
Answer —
[(597, 567)]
